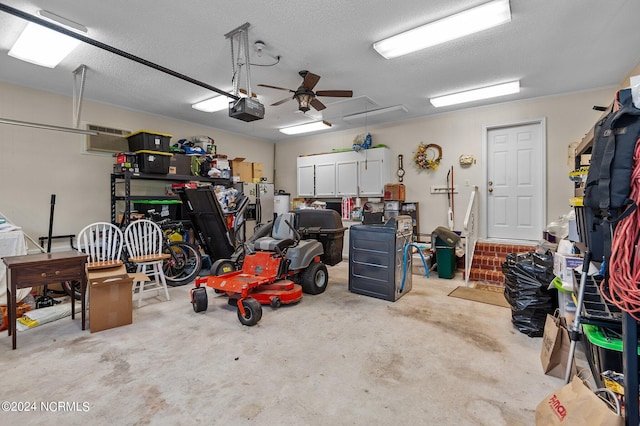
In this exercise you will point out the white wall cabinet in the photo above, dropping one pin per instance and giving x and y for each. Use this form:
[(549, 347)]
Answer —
[(372, 176), (347, 178), (306, 177), (326, 179), (344, 174)]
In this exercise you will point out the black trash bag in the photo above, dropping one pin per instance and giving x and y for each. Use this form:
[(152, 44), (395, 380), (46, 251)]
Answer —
[(527, 277)]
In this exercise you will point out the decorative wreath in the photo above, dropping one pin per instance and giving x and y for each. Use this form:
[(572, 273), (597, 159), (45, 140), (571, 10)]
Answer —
[(428, 156)]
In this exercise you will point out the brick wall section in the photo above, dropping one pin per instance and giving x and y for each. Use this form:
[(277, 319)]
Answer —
[(488, 258)]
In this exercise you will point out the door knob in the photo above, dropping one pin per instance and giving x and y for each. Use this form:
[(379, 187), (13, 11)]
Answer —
[(490, 189)]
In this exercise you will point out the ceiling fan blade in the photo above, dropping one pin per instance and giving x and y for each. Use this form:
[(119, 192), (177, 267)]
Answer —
[(310, 80), (335, 93), (280, 102), (275, 87), (317, 104)]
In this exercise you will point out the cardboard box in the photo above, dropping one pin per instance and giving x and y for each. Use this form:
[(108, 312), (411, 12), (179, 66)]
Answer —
[(181, 164), (242, 169), (564, 264), (394, 191), (110, 302), (257, 170), (111, 297), (220, 164)]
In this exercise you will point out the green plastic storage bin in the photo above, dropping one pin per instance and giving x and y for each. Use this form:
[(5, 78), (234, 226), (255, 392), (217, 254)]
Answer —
[(603, 349)]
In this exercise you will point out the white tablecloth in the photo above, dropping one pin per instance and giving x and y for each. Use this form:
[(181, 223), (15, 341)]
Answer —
[(12, 243)]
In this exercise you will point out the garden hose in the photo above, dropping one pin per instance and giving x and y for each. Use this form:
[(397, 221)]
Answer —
[(404, 264)]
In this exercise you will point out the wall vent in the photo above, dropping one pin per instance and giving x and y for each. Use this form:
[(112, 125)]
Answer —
[(108, 140)]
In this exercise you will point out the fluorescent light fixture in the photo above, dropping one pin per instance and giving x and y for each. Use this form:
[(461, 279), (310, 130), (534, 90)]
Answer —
[(305, 128), (476, 94), (470, 21), (217, 103), (43, 46), (374, 113)]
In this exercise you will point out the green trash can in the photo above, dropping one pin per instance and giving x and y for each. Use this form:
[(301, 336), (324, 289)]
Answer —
[(446, 258), (445, 242)]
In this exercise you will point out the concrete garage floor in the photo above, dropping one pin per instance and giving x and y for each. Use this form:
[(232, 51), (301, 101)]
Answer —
[(336, 358)]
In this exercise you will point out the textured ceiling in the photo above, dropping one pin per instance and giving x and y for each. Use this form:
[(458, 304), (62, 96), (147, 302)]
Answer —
[(552, 46)]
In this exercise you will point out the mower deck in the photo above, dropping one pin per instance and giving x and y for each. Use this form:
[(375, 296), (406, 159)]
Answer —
[(239, 285)]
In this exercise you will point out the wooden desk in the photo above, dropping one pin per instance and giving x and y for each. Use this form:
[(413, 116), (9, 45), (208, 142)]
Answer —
[(34, 270)]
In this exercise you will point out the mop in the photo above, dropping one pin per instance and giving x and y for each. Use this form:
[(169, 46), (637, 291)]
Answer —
[(450, 199)]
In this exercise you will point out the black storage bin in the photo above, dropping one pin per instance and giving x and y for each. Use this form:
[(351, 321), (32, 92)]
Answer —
[(155, 162), (324, 226), (151, 141)]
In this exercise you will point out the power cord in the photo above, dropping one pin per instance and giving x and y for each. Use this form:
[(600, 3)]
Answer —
[(624, 271)]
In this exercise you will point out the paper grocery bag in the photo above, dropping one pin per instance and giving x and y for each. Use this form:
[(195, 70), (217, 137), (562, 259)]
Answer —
[(575, 404), (554, 354)]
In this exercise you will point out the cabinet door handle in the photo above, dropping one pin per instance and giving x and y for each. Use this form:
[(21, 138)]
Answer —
[(43, 275)]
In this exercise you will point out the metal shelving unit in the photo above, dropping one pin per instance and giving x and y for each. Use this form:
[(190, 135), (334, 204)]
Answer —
[(125, 179), (593, 241)]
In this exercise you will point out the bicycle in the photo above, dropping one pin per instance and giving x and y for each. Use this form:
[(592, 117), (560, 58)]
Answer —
[(186, 261), (182, 267)]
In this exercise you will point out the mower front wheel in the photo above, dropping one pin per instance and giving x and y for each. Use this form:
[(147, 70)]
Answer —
[(199, 299), (252, 311), (315, 278), (276, 302)]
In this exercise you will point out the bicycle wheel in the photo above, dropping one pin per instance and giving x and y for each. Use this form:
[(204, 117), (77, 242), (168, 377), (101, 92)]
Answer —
[(183, 265), (72, 288)]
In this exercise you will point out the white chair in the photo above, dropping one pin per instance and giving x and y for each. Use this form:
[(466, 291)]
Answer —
[(102, 242), (144, 242)]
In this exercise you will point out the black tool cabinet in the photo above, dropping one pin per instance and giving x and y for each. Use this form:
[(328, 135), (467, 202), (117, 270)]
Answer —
[(125, 195)]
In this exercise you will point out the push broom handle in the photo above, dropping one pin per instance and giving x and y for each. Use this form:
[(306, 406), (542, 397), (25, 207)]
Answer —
[(574, 333)]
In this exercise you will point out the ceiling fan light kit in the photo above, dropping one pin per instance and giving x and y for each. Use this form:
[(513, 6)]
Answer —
[(306, 128), (43, 46), (305, 96), (461, 24), (476, 94)]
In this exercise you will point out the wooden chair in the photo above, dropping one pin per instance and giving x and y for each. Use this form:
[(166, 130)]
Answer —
[(144, 241), (102, 242)]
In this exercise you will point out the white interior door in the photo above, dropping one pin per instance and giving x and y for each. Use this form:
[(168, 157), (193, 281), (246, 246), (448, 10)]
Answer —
[(515, 187)]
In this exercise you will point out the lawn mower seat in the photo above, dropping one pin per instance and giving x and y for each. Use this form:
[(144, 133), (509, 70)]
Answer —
[(282, 235)]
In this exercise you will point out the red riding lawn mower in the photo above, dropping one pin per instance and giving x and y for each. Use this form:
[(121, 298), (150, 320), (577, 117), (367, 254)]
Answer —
[(276, 265)]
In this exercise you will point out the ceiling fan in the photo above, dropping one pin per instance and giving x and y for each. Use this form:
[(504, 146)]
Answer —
[(305, 95)]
